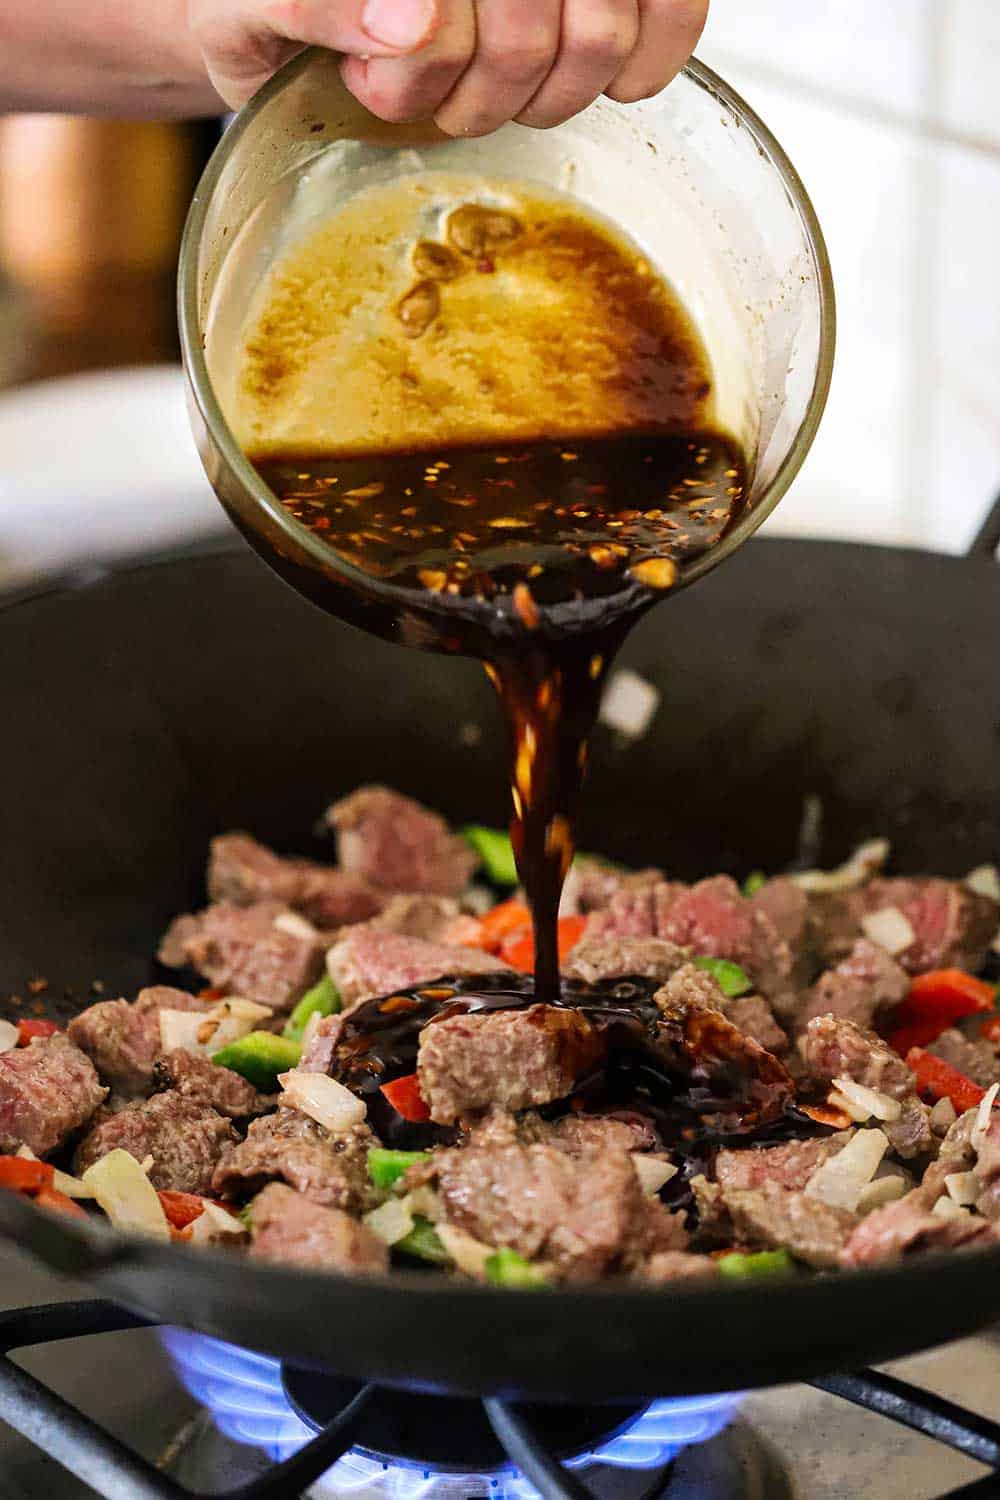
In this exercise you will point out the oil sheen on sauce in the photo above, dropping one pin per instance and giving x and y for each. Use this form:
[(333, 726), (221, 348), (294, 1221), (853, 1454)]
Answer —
[(494, 409)]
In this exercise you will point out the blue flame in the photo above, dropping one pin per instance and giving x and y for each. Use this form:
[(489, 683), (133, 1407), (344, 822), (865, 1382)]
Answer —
[(244, 1394)]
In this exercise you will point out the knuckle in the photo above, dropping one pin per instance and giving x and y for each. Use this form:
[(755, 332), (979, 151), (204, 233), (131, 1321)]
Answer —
[(604, 37), (633, 91), (523, 59)]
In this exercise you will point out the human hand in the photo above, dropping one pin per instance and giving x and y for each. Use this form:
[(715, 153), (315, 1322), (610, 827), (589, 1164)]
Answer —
[(472, 65)]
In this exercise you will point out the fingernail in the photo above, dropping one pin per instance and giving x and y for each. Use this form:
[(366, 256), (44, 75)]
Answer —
[(398, 23)]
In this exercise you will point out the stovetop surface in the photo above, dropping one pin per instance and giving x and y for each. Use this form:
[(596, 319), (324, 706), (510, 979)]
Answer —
[(829, 1450)]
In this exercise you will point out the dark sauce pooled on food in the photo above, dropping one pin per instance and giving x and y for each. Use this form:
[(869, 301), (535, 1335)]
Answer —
[(536, 542)]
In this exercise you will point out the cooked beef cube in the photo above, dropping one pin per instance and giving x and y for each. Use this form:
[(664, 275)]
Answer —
[(978, 1060), (241, 951), (987, 1167), (907, 1225), (911, 1135), (365, 962), (772, 1218), (752, 1015), (586, 1217), (294, 1230), (329, 1169), (394, 843), (835, 1048), (317, 1057), (864, 984), (123, 1040), (417, 915), (184, 1139), (244, 872), (956, 1153), (591, 885), (635, 910), (596, 958), (513, 1058), (47, 1091), (204, 1082), (954, 926), (677, 1265), (576, 1134), (789, 1165), (787, 906)]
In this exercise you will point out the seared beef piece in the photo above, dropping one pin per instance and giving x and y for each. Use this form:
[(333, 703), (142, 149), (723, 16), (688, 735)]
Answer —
[(954, 926), (772, 1218), (123, 1040), (576, 1134), (911, 1135), (906, 1225), (417, 915), (204, 1082), (587, 1217), (365, 962), (513, 1058), (330, 1169), (591, 885), (835, 1048), (677, 1265), (789, 1165), (978, 1060), (244, 872), (318, 1055), (596, 958), (749, 1083), (398, 845), (987, 1167), (787, 906), (184, 1139), (295, 1231), (241, 951), (752, 1015), (861, 986), (47, 1090)]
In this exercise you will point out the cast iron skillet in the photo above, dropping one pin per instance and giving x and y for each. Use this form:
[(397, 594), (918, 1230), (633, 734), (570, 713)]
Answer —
[(145, 711)]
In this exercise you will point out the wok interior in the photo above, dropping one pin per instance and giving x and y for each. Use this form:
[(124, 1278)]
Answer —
[(151, 711)]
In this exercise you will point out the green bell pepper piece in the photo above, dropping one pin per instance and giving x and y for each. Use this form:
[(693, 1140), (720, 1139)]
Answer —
[(386, 1167), (507, 1268), (495, 850), (260, 1057), (731, 979), (753, 882), (764, 1263), (423, 1244), (322, 998)]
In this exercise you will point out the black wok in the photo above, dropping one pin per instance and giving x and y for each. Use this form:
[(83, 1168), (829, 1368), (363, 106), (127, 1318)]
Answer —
[(146, 711)]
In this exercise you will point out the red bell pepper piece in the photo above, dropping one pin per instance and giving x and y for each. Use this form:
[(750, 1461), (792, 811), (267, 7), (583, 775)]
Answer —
[(406, 1099), (941, 1081), (519, 951), (181, 1209), (502, 922), (22, 1175), (914, 1034), (935, 1001), (28, 1030), (50, 1197)]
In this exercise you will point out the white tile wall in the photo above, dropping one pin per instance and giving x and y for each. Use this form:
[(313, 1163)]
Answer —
[(891, 113)]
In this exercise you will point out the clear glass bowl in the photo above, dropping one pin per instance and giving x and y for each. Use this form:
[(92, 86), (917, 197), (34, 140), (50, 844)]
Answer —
[(693, 176)]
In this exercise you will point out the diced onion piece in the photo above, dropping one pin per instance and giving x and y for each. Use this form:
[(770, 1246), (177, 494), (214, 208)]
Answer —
[(880, 1192), (985, 881), (856, 1112), (297, 926), (962, 1187), (866, 861), (629, 704), (868, 1102), (310, 1029), (425, 1202), (942, 1116), (947, 1208), (841, 1179), (652, 1172), (179, 1030), (126, 1195), (8, 1036), (982, 1124), (323, 1099), (890, 929), (214, 1224), (470, 1255), (231, 1020), (391, 1221)]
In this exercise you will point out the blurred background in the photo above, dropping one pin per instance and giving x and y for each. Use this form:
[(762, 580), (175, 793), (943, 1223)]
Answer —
[(889, 111)]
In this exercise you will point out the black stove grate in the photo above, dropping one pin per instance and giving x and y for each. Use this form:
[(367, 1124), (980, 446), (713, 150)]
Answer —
[(110, 1468)]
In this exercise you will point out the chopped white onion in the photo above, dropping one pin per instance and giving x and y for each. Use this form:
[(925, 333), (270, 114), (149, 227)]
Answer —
[(179, 1030), (470, 1255), (477, 900), (652, 1172), (861, 1103), (310, 1029), (947, 1208), (985, 881), (942, 1116), (866, 861), (890, 929), (391, 1221), (879, 1192), (962, 1187), (323, 1099), (8, 1036), (205, 1031), (214, 1224), (71, 1187), (629, 704), (983, 1113), (841, 1179), (291, 922), (424, 1201), (126, 1195)]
